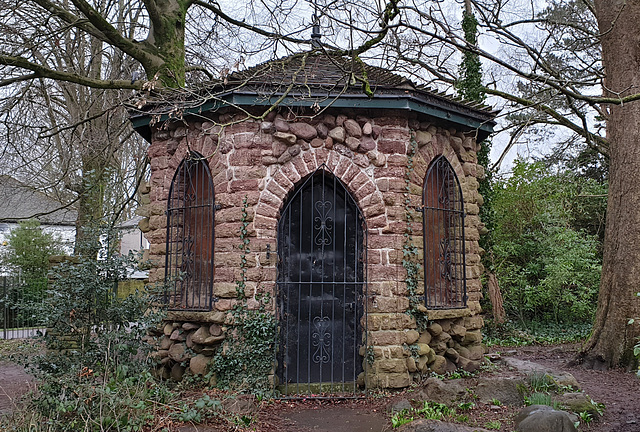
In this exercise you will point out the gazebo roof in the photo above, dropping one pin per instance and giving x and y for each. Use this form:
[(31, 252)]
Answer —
[(317, 80)]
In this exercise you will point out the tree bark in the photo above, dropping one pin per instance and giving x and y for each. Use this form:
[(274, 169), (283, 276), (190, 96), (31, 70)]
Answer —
[(612, 340)]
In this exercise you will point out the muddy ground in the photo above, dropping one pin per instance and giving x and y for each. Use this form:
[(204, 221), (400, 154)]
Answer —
[(618, 390)]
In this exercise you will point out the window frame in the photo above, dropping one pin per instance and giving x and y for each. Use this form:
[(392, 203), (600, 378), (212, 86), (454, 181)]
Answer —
[(448, 289), (189, 275)]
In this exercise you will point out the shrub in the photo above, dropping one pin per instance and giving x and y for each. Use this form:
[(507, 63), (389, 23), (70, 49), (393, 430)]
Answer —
[(94, 377), (548, 268)]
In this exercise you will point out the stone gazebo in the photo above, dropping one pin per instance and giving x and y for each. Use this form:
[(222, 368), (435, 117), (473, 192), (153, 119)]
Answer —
[(360, 191)]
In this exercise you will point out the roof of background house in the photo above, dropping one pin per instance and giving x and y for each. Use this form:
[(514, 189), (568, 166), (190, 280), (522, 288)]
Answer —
[(316, 80), (19, 201)]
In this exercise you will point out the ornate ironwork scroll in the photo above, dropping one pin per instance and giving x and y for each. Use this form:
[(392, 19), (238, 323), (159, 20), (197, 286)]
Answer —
[(321, 288)]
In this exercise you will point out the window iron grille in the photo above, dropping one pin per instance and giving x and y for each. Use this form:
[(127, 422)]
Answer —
[(189, 266), (445, 284)]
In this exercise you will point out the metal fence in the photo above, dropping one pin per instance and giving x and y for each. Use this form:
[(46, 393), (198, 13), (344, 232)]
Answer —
[(21, 302)]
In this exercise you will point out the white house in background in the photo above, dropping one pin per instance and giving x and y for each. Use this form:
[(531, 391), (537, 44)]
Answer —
[(133, 240), (19, 202)]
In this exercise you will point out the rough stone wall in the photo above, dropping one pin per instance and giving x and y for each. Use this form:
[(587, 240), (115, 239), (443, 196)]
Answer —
[(264, 160)]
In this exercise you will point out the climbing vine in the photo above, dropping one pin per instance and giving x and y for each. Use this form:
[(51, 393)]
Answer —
[(410, 260), (246, 362)]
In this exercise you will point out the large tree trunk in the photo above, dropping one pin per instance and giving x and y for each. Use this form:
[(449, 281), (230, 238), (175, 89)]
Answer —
[(612, 341)]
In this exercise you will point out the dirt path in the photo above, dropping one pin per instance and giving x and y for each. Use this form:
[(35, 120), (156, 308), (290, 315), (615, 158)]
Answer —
[(14, 382), (618, 390)]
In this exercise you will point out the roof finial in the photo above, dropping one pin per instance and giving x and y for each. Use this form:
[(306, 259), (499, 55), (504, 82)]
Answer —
[(315, 32)]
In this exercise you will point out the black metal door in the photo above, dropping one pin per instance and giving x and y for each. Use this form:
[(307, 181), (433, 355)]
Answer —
[(321, 239)]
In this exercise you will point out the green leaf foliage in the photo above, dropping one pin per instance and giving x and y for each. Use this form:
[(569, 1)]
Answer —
[(548, 267), (28, 249)]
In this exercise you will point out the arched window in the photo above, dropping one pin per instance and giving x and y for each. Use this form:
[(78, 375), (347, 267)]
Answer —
[(190, 236), (443, 235)]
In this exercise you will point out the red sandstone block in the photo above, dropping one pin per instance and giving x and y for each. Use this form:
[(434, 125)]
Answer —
[(282, 180), (263, 222), (351, 172), (391, 120), (270, 199), (290, 172), (393, 172), (398, 160), (310, 159), (398, 186), (377, 222), (358, 181), (391, 146), (366, 189), (374, 210), (333, 160), (224, 275), (243, 185), (225, 245), (245, 157), (374, 256), (395, 227), (242, 127), (159, 163), (301, 166), (265, 209), (322, 155), (276, 189)]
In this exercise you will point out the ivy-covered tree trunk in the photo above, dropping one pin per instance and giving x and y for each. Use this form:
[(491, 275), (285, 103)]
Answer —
[(612, 341)]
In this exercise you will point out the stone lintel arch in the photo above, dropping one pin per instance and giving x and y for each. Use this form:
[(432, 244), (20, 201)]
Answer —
[(283, 182), (428, 153)]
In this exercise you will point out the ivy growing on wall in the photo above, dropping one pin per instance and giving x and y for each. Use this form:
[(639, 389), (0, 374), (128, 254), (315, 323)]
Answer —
[(410, 258), (247, 358)]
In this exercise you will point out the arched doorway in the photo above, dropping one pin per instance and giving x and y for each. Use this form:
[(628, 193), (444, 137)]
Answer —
[(321, 287)]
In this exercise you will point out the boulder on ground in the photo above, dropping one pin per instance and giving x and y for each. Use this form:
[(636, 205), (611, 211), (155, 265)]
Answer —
[(436, 390), (543, 418), (509, 391)]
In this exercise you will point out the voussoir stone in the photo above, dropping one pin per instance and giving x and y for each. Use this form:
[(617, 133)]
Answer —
[(543, 418), (303, 131)]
